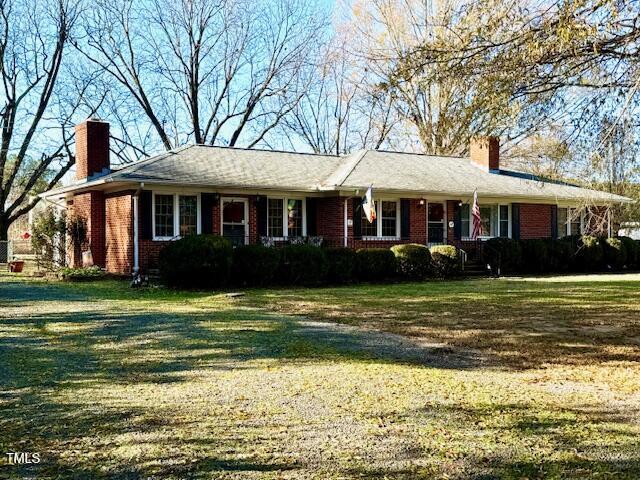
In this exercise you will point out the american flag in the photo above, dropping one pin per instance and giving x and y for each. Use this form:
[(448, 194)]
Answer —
[(477, 220)]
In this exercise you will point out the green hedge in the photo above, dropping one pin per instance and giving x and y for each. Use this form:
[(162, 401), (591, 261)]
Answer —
[(81, 274), (206, 261), (413, 260), (506, 252), (614, 253), (196, 261), (255, 265), (560, 253), (589, 254), (445, 261), (375, 264), (632, 248), (535, 256), (342, 265), (570, 254), (303, 265)]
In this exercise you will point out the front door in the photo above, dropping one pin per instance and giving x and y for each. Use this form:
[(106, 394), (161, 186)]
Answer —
[(235, 212), (435, 222)]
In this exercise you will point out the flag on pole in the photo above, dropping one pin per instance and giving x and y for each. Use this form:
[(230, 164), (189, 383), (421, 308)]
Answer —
[(369, 205), (477, 219)]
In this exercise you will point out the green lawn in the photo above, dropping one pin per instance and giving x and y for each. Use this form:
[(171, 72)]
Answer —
[(481, 379)]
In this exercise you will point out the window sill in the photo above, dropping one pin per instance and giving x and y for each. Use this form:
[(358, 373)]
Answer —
[(169, 239), (381, 239), (481, 237)]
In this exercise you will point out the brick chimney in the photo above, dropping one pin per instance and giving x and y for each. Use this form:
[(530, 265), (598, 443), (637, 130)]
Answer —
[(92, 148), (485, 152)]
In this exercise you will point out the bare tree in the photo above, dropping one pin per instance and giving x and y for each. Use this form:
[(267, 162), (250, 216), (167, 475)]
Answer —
[(337, 113), (35, 113), (215, 72)]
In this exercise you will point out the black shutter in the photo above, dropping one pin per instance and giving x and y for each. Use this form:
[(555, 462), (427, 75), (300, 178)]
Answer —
[(515, 221), (405, 226), (146, 211), (357, 217), (457, 221), (261, 212), (206, 212), (312, 216), (554, 221)]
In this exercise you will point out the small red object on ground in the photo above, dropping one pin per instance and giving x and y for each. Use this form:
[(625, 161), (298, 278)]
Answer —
[(16, 266)]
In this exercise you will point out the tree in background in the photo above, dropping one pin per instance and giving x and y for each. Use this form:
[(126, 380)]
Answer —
[(212, 72), (337, 113), (35, 104), (441, 108)]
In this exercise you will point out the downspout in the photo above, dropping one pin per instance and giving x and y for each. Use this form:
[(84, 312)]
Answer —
[(346, 225), (136, 256)]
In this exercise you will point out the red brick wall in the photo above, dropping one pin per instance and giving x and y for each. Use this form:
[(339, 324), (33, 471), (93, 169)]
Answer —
[(417, 221), (119, 233), (485, 152), (92, 148), (535, 221), (451, 210), (90, 207), (216, 212), (330, 218), (148, 253)]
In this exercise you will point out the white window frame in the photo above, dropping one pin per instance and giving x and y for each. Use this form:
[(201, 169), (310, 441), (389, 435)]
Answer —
[(379, 220), (176, 213), (245, 201), (508, 205), (495, 229), (285, 223), (569, 216)]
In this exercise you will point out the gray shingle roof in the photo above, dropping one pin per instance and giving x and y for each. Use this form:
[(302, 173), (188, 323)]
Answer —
[(455, 176), (221, 167), (233, 167)]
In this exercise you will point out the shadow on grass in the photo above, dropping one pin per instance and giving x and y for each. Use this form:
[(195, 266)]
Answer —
[(515, 324), (45, 353), (49, 352)]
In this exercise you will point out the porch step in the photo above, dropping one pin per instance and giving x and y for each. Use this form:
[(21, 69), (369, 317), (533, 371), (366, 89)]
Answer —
[(475, 268)]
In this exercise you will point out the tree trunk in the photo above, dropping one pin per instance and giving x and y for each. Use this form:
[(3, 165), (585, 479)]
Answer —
[(4, 228)]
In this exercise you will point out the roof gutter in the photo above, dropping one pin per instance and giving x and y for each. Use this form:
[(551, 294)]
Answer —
[(352, 189)]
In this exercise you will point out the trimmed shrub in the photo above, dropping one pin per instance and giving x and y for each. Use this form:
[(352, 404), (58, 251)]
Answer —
[(614, 253), (445, 261), (535, 256), (560, 253), (341, 265), (509, 251), (81, 274), (196, 261), (632, 248), (589, 254), (254, 265), (375, 264), (413, 260), (303, 265)]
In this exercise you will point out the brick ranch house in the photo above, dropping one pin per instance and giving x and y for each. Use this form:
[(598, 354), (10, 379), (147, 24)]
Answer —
[(259, 196)]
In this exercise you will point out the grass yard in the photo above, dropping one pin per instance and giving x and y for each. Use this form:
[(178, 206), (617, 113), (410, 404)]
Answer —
[(535, 378)]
